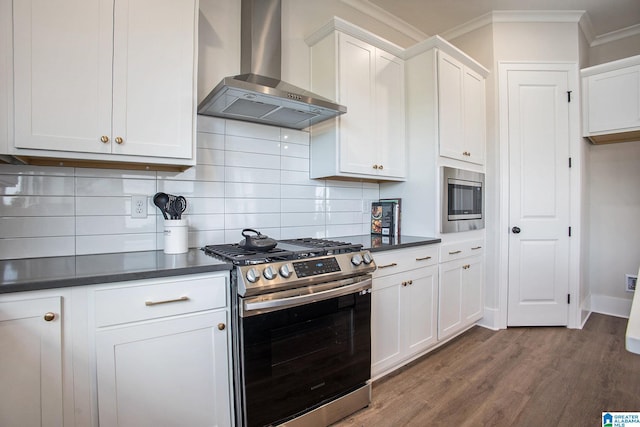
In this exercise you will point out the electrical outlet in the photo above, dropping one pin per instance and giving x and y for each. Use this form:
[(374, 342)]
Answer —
[(630, 282), (138, 206)]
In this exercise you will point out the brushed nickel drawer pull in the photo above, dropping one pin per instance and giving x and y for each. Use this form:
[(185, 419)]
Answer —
[(393, 264), (150, 303), (477, 247), (454, 252), (423, 258)]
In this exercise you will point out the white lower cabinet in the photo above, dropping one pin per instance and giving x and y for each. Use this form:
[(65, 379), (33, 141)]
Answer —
[(162, 353), (460, 296), (403, 314), (31, 360)]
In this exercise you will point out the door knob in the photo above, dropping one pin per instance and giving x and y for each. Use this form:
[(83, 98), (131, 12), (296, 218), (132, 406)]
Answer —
[(515, 230)]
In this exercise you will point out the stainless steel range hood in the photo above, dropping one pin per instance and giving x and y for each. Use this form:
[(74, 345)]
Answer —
[(258, 94)]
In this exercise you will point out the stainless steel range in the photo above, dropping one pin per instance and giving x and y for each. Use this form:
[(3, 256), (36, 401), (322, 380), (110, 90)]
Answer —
[(301, 331)]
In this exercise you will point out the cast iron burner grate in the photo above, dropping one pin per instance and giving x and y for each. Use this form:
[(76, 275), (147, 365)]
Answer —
[(291, 249)]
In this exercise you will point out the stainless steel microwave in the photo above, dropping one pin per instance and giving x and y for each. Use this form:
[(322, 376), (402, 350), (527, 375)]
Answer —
[(462, 200)]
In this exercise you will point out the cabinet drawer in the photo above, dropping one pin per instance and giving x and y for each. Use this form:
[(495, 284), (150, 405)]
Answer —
[(149, 300), (457, 250), (395, 261)]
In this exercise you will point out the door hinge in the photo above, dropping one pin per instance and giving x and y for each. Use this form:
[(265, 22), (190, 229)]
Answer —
[(568, 298), (569, 231), (569, 96), (569, 161)]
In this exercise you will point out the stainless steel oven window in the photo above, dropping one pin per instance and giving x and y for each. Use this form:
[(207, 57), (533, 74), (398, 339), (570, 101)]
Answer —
[(462, 200)]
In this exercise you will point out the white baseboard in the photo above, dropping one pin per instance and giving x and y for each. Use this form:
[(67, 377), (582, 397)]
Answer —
[(619, 307), (490, 319)]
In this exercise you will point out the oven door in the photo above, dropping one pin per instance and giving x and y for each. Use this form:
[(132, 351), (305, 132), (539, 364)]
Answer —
[(301, 351)]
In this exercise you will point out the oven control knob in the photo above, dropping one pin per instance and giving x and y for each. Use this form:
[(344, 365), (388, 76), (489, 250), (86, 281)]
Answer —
[(253, 275), (286, 270), (366, 257), (356, 259), (269, 273)]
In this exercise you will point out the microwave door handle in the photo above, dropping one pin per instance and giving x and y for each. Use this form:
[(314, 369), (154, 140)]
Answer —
[(280, 304)]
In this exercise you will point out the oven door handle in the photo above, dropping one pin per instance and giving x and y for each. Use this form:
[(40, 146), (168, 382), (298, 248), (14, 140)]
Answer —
[(282, 303)]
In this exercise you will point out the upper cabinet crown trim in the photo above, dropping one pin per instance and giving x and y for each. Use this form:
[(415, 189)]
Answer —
[(338, 24), (440, 43)]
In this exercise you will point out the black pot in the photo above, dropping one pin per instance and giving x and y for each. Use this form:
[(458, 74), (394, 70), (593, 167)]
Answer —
[(258, 242)]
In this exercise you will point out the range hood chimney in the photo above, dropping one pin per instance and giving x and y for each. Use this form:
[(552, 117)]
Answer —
[(258, 94)]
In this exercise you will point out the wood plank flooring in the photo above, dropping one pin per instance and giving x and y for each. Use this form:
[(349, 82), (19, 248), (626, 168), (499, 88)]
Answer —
[(515, 377)]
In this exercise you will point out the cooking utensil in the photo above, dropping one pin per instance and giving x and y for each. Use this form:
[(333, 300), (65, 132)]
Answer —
[(161, 200), (179, 206), (258, 242)]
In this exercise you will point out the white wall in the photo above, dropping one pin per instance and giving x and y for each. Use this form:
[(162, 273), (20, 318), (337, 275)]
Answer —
[(614, 182)]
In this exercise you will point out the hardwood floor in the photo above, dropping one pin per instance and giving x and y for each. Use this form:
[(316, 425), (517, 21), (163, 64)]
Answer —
[(515, 377)]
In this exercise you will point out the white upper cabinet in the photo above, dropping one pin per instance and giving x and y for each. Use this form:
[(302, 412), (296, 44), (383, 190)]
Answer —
[(364, 73), (461, 110), (611, 101), (105, 80)]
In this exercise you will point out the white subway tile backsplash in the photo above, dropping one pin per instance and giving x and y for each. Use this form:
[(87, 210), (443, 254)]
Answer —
[(36, 206), (252, 160), (294, 136), (237, 174), (302, 205), (251, 190), (114, 186), (49, 226), (27, 185), (294, 150), (94, 225), (208, 156), (247, 176), (302, 192), (210, 124), (34, 247), (295, 164), (210, 141), (252, 130), (86, 245), (251, 145), (232, 206)]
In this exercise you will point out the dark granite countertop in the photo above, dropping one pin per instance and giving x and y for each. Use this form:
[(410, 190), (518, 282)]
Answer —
[(384, 243), (58, 272)]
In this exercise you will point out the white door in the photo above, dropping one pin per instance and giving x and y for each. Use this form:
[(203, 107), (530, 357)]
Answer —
[(31, 363), (538, 134)]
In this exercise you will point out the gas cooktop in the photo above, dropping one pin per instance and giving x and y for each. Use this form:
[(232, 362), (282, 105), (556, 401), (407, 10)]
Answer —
[(285, 250)]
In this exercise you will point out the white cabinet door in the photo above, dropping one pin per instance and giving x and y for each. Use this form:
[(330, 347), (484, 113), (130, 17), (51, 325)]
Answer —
[(386, 326), (31, 363), (153, 77), (461, 110), (613, 100), (450, 106), (419, 302), (62, 74), (390, 115), (169, 372), (358, 151), (450, 299), (461, 302), (475, 125), (472, 289)]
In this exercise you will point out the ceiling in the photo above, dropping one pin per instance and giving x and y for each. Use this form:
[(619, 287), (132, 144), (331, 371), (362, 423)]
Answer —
[(438, 16)]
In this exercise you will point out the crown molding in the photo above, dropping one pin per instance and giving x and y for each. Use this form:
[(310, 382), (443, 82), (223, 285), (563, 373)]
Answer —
[(622, 33), (376, 12), (517, 16)]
